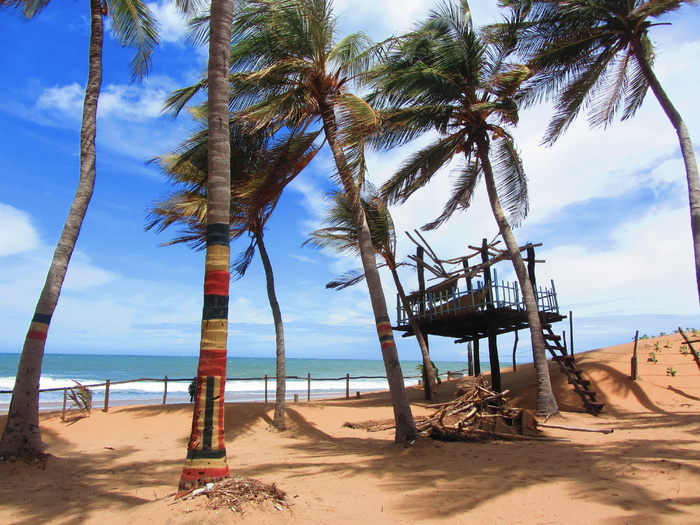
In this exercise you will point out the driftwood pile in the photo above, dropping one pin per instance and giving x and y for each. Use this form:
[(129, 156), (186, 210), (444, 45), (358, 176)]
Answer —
[(477, 414)]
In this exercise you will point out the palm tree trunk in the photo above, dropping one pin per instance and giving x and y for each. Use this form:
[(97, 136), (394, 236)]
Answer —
[(278, 420), (405, 425), (546, 403), (206, 450), (21, 436), (691, 166), (431, 383)]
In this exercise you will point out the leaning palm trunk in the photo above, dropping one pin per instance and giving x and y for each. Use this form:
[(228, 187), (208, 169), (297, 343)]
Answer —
[(206, 450), (21, 436), (278, 420), (405, 425), (691, 167), (431, 383), (546, 403)]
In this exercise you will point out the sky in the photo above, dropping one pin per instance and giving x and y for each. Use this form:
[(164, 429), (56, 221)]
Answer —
[(609, 206)]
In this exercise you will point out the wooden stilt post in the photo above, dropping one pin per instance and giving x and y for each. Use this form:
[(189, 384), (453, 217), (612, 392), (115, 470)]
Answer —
[(106, 407), (492, 335), (265, 388), (165, 389), (635, 363), (308, 387), (65, 400)]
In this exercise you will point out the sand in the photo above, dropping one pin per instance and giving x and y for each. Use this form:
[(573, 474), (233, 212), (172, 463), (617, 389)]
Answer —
[(123, 466)]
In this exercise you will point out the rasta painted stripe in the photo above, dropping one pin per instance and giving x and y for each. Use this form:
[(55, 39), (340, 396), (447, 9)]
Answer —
[(209, 415), (215, 307), (39, 327), (217, 234), (214, 335), (385, 332), (193, 477), (216, 282), (41, 318)]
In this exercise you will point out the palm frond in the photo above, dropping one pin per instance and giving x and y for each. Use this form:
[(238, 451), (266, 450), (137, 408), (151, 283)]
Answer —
[(346, 280), (242, 261), (420, 167), (461, 194), (511, 181), (135, 26)]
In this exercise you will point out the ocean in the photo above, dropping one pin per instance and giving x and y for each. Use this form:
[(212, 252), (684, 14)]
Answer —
[(244, 383)]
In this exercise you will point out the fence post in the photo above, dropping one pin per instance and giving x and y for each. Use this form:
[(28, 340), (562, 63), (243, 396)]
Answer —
[(65, 397), (308, 387), (106, 407), (635, 365), (165, 389), (265, 388), (347, 386)]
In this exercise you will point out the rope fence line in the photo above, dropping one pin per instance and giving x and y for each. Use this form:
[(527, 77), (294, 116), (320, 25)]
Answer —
[(165, 380)]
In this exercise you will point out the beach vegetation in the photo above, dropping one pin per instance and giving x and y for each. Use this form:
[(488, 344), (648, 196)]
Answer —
[(684, 350), (668, 344), (670, 371), (340, 236), (652, 357), (133, 25), (599, 56), (657, 346), (81, 396), (448, 79)]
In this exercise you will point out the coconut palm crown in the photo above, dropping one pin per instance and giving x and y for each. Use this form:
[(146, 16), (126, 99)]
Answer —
[(448, 79), (597, 55)]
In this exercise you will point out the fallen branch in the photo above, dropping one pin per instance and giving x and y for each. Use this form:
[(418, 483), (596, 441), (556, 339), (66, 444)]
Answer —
[(518, 437), (578, 429)]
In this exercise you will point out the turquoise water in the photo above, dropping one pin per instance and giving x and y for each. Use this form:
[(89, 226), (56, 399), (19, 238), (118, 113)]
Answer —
[(245, 377)]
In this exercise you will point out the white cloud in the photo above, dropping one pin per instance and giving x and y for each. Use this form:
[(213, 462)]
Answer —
[(172, 25), (67, 100), (18, 234)]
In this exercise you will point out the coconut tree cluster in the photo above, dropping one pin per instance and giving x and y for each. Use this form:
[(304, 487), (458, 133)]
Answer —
[(282, 83)]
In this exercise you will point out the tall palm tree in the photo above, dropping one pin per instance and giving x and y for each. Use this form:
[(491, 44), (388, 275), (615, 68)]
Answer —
[(260, 169), (597, 55), (340, 236), (133, 25), (206, 449), (286, 59), (445, 78)]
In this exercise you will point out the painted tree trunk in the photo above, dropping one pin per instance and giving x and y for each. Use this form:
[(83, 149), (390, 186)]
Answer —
[(405, 425), (206, 450), (686, 144), (428, 371), (278, 420), (546, 403), (22, 436)]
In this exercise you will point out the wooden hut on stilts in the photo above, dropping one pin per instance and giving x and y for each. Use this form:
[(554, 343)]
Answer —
[(470, 304)]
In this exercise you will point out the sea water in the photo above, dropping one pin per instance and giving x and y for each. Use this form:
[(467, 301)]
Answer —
[(245, 381)]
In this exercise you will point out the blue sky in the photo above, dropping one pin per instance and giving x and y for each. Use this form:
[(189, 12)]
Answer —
[(610, 207)]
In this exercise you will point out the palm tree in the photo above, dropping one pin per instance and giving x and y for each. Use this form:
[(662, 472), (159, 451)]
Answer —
[(286, 60), (444, 77), (340, 236), (134, 26), (206, 449), (261, 168), (597, 54)]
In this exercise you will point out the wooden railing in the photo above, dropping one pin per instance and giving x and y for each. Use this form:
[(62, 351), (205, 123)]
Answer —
[(455, 302)]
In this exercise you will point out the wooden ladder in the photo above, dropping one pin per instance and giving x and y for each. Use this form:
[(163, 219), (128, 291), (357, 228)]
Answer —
[(567, 363)]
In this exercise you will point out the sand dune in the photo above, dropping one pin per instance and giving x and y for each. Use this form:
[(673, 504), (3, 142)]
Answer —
[(123, 466)]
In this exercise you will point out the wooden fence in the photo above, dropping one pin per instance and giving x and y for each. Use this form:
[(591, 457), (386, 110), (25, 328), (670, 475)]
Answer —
[(266, 379)]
